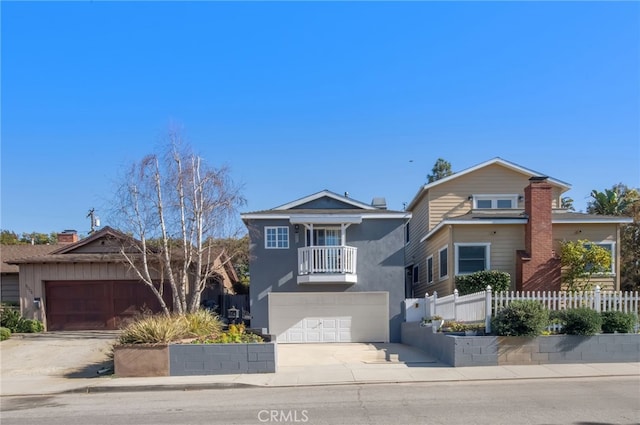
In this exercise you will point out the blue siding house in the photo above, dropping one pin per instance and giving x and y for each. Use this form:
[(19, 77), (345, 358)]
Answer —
[(328, 268)]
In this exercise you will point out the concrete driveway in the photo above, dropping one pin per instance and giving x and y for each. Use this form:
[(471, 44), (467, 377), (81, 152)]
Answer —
[(43, 359), (295, 355)]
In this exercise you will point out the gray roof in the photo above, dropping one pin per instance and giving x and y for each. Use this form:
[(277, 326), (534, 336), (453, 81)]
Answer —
[(556, 216), (11, 253), (334, 211)]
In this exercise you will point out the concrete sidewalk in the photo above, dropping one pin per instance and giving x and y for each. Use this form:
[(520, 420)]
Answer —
[(61, 363)]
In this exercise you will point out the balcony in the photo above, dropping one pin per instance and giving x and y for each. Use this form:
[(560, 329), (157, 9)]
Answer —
[(327, 264)]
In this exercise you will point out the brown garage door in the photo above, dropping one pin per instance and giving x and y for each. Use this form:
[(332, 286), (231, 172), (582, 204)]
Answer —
[(86, 305)]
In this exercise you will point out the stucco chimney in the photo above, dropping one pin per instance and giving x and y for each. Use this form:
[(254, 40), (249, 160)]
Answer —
[(538, 268), (67, 236)]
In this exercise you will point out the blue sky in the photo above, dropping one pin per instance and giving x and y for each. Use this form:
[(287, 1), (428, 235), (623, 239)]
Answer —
[(297, 97)]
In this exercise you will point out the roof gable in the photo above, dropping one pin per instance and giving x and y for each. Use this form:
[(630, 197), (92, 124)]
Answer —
[(325, 200), (102, 241), (495, 161)]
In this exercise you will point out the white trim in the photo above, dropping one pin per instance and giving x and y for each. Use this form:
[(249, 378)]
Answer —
[(266, 228), (487, 258), (494, 198), (510, 165), (325, 219), (482, 221), (429, 282), (320, 278), (286, 216), (446, 276), (328, 194), (593, 221)]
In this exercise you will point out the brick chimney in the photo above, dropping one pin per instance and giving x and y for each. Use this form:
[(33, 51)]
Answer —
[(67, 237), (538, 269)]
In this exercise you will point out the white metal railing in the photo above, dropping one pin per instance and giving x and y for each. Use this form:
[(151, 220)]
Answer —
[(481, 305), (327, 259)]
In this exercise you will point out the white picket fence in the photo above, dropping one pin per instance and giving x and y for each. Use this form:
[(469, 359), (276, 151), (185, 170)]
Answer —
[(481, 305)]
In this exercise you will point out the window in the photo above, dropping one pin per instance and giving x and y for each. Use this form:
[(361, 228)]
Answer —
[(329, 236), (472, 257), (609, 246), (416, 275), (495, 201), (430, 269), (276, 237), (443, 256), (406, 233)]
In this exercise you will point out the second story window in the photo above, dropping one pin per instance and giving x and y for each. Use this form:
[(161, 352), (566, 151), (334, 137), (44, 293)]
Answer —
[(495, 202), (276, 237)]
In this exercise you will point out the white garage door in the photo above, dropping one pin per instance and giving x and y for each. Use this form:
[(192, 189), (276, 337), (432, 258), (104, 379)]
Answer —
[(329, 317)]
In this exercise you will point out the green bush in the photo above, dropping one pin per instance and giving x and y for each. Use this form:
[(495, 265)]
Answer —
[(235, 335), (521, 318), (4, 334), (617, 321), (11, 319), (581, 321), (478, 281), (163, 329)]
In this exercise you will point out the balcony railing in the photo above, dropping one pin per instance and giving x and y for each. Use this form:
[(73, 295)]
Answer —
[(327, 259)]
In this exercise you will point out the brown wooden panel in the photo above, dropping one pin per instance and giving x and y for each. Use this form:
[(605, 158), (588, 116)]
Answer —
[(87, 305)]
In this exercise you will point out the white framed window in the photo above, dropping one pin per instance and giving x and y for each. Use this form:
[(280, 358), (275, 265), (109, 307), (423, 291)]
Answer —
[(430, 269), (406, 233), (276, 237), (324, 236), (495, 201), (611, 247), (443, 263), (472, 257), (416, 274)]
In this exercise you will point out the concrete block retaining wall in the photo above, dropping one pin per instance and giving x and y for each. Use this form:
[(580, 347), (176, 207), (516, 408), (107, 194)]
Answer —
[(497, 351), (220, 359), (195, 359)]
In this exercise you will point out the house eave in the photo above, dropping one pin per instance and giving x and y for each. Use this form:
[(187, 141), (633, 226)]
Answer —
[(463, 222)]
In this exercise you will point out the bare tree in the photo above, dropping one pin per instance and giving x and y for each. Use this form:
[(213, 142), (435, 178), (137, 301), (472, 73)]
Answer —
[(174, 206)]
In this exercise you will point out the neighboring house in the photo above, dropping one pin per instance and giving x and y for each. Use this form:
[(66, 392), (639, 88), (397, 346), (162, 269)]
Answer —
[(9, 281), (499, 216), (327, 268), (87, 285)]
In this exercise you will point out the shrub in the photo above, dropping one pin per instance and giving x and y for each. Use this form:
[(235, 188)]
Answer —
[(521, 318), (202, 323), (617, 321), (235, 335), (162, 329), (158, 329), (478, 281), (581, 321), (4, 334), (11, 319)]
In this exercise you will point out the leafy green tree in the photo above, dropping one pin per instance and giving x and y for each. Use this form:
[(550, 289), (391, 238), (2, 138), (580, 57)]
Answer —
[(567, 203), (441, 169), (623, 201), (7, 237), (581, 260), (39, 238)]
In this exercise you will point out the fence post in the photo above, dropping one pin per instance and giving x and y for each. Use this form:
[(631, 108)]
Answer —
[(435, 302), (455, 304), (487, 309), (427, 307), (597, 299)]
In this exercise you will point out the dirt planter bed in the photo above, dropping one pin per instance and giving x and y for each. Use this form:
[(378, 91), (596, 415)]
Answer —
[(507, 350), (194, 359)]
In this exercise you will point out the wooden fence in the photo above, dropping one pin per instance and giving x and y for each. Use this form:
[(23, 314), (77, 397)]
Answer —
[(482, 305)]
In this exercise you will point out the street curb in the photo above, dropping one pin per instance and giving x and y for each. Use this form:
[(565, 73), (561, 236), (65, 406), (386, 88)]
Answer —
[(239, 385)]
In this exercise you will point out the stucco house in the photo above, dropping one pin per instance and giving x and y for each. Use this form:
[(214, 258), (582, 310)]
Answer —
[(502, 216), (86, 284), (327, 268)]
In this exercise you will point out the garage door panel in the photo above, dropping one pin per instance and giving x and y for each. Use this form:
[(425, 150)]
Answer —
[(87, 305), (329, 317)]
